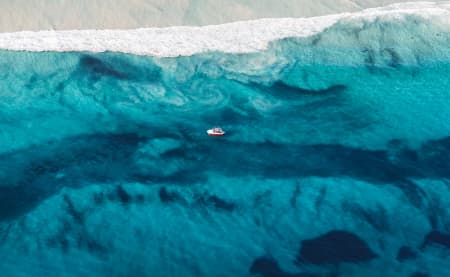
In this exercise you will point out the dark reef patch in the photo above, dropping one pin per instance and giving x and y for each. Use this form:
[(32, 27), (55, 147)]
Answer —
[(167, 196), (215, 201), (416, 196), (406, 253), (200, 199), (337, 160), (77, 216), (4, 232), (295, 195), (377, 218), (335, 247), (436, 211), (139, 198), (394, 58), (420, 274), (369, 59), (31, 175), (99, 68), (73, 232), (118, 67), (268, 267), (436, 238), (320, 198), (118, 194), (17, 200), (262, 199), (32, 81), (123, 195), (285, 89)]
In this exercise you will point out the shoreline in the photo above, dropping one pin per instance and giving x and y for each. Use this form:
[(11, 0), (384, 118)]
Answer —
[(236, 37), (24, 15)]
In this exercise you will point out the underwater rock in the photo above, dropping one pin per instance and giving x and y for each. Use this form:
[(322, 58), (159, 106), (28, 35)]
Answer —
[(76, 215), (406, 253), (290, 89), (33, 174), (268, 267), (420, 274), (295, 195), (216, 202), (438, 238), (167, 196), (335, 247), (123, 195), (98, 67)]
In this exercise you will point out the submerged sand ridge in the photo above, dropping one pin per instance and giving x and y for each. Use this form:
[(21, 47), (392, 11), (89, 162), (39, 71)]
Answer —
[(21, 15)]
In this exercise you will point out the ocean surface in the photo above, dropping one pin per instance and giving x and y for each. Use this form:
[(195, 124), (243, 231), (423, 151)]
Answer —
[(327, 168)]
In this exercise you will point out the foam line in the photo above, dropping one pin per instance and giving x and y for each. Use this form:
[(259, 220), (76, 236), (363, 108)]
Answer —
[(237, 37)]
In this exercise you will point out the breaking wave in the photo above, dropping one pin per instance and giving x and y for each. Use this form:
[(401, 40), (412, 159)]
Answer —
[(425, 23)]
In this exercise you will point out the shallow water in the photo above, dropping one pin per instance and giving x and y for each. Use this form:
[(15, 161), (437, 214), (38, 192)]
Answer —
[(106, 168)]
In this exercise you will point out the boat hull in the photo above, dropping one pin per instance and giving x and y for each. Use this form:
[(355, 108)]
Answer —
[(214, 134)]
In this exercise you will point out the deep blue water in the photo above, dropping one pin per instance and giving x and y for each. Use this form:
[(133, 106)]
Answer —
[(326, 169)]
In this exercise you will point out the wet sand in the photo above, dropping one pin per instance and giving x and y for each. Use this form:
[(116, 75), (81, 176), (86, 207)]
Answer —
[(18, 15)]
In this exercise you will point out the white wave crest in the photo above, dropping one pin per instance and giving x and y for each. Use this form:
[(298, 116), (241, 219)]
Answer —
[(237, 37)]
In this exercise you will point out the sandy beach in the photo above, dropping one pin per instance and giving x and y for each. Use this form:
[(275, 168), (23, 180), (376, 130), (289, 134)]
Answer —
[(20, 15)]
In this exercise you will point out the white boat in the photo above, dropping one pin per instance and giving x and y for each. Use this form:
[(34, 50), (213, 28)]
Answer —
[(216, 132)]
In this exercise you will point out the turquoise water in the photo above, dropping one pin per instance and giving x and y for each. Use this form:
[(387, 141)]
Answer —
[(327, 168)]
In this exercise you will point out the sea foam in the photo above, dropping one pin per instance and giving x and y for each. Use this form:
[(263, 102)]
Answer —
[(237, 37)]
